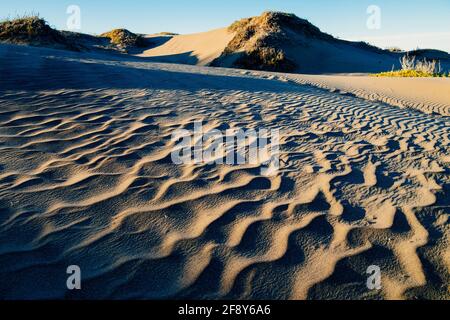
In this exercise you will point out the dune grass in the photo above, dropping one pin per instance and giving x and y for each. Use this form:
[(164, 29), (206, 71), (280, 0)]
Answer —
[(25, 28), (35, 31), (412, 68)]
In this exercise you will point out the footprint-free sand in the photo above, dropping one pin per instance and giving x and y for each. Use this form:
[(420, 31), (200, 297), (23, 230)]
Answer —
[(86, 178)]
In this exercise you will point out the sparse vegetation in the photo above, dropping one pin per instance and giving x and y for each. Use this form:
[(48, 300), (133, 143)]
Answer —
[(261, 43), (123, 38), (33, 30), (394, 49), (411, 67)]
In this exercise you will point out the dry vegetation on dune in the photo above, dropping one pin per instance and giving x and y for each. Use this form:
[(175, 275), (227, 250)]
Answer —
[(124, 38), (33, 30), (413, 68), (257, 42)]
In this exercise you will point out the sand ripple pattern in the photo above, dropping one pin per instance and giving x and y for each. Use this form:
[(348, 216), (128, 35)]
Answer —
[(86, 179)]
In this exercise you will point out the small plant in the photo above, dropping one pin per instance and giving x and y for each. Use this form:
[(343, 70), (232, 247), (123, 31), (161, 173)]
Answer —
[(407, 62)]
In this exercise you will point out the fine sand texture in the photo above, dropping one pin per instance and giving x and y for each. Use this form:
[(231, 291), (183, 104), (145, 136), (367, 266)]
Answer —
[(429, 95), (198, 49), (86, 178)]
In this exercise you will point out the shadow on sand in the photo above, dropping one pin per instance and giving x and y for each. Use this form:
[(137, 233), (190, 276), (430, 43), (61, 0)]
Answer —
[(29, 68)]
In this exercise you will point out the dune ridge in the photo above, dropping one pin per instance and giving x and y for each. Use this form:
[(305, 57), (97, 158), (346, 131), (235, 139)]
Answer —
[(273, 41), (198, 49), (86, 178)]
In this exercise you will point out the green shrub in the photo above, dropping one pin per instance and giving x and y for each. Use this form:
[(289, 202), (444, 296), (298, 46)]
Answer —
[(33, 30)]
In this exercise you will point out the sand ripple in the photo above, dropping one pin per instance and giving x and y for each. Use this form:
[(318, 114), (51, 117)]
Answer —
[(86, 179)]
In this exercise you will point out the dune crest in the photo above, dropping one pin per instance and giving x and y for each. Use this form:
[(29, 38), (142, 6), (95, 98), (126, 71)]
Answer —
[(200, 49)]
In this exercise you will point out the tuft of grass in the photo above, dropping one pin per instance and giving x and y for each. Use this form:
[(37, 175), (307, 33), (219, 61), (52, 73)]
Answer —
[(35, 31), (394, 49), (124, 38), (26, 28), (412, 68), (409, 74)]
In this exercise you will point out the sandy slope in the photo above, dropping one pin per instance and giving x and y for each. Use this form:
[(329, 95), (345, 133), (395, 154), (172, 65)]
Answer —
[(199, 48), (429, 95), (305, 48), (86, 178)]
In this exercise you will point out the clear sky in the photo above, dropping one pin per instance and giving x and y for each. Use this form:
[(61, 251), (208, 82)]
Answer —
[(404, 23)]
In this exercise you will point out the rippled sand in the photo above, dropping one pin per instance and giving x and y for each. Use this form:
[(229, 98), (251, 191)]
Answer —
[(86, 179)]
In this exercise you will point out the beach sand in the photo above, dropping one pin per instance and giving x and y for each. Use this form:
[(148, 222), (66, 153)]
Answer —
[(86, 179)]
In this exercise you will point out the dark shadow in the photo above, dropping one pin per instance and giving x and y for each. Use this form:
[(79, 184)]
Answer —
[(352, 213), (180, 58), (400, 223), (28, 68)]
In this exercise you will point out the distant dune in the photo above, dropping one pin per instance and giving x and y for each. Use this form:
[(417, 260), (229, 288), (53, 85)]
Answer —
[(273, 41), (280, 42), (199, 49)]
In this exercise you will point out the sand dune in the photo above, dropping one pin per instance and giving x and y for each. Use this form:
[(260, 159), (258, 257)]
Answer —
[(199, 48), (86, 178), (428, 95), (280, 42)]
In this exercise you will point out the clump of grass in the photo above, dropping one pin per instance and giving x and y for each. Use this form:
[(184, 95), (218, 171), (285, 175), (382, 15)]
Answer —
[(413, 68), (28, 30), (35, 31), (124, 38), (265, 58)]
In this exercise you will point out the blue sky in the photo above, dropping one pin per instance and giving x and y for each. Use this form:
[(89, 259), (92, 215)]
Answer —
[(407, 24)]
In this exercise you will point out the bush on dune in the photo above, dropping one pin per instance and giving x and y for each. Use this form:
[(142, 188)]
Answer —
[(32, 30), (124, 38)]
